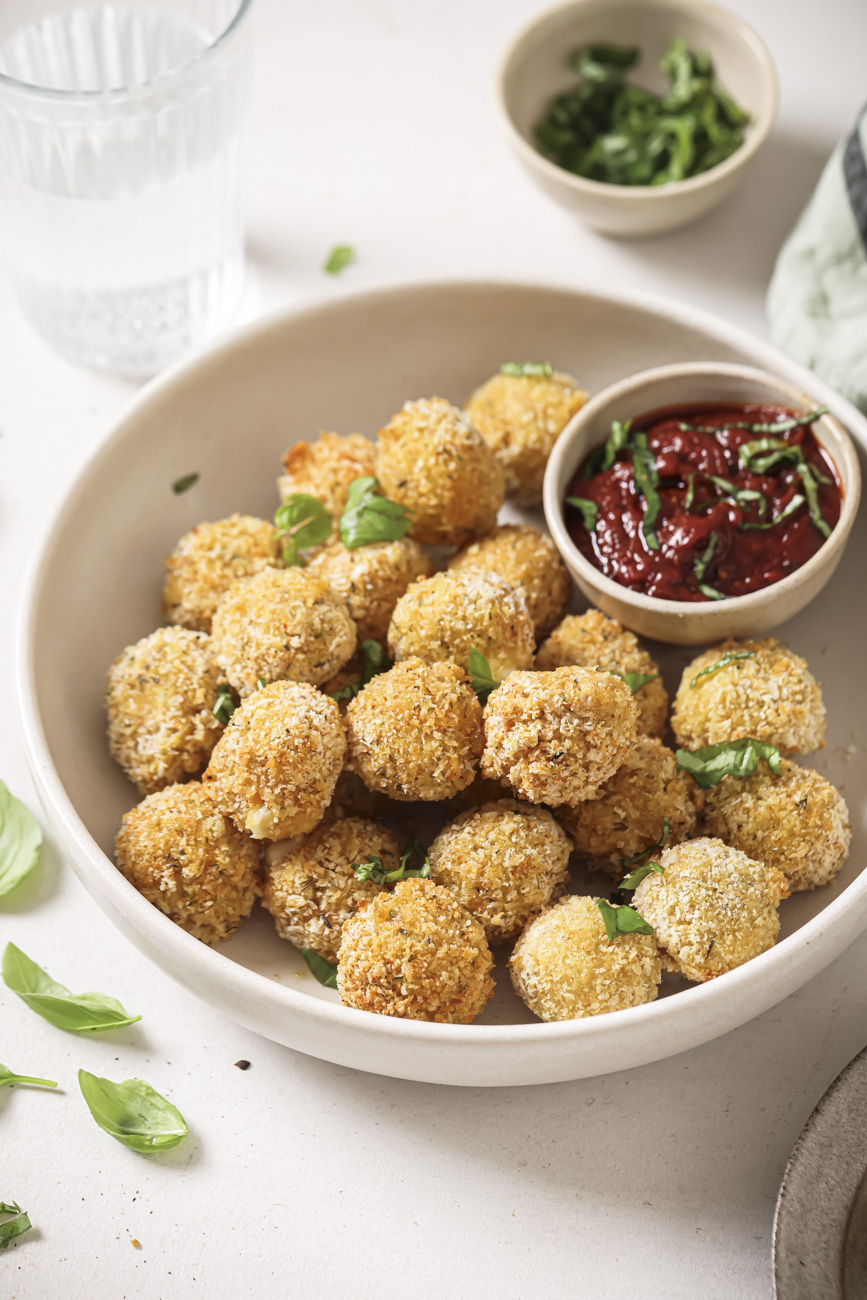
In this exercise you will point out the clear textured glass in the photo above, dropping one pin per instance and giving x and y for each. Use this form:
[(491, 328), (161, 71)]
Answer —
[(120, 205)]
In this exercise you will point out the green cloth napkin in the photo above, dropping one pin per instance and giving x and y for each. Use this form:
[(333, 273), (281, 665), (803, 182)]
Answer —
[(817, 300)]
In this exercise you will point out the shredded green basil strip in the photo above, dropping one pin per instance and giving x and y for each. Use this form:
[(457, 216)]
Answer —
[(375, 661), (635, 681), (20, 841), (634, 879), (15, 1227), (690, 492), (589, 510), (651, 848), (339, 257), (224, 705), (780, 426), (710, 593), (812, 493), (606, 454), (482, 679), (729, 658), (646, 482), (701, 565), (81, 1013), (520, 368), (133, 1113), (373, 869), (184, 483), (324, 971), (621, 920), (304, 522), (369, 518), (738, 758), (788, 510)]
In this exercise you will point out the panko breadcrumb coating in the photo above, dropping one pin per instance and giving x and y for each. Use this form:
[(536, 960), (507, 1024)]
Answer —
[(712, 909), (557, 737), (282, 624), (208, 559), (415, 732), (274, 769), (371, 579), (416, 953), (529, 562), (797, 822), (325, 468), (504, 862), (187, 858), (771, 696), (446, 616), (310, 888), (521, 417), (160, 697), (564, 967), (430, 459), (627, 814), (593, 640)]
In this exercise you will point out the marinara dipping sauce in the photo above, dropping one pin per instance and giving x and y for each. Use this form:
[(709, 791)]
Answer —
[(706, 501)]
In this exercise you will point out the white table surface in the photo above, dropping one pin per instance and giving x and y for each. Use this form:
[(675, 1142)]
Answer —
[(372, 123)]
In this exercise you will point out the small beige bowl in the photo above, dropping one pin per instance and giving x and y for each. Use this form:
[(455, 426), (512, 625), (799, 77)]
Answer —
[(536, 66), (687, 622)]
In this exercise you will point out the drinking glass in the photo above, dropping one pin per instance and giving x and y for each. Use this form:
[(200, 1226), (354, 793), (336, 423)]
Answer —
[(120, 205)]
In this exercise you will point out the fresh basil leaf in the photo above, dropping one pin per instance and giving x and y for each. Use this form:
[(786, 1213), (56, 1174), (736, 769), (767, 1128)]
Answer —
[(82, 1013), (711, 593), (690, 492), (481, 678), (635, 681), (812, 493), (320, 967), (646, 483), (133, 1112), (225, 704), (520, 368), (621, 920), (373, 869), (369, 518), (339, 257), (304, 522), (7, 1076), (779, 426), (729, 657), (13, 1228), (788, 510), (651, 848), (589, 511), (701, 565), (375, 661), (738, 758), (185, 483), (635, 877), (20, 841)]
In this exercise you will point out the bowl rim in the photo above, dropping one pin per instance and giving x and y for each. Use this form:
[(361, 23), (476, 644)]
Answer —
[(827, 554), (241, 983), (757, 132)]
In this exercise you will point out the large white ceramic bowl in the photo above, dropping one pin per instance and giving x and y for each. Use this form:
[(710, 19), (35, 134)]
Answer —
[(229, 414)]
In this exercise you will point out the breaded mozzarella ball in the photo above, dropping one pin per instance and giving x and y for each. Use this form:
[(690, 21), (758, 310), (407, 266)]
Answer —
[(430, 459), (564, 968), (208, 559), (282, 624), (628, 812), (310, 888), (325, 468), (712, 909), (184, 856), (371, 579), (414, 952), (593, 640), (557, 737), (770, 695), (530, 562), (446, 616), (160, 698), (415, 732), (275, 767), (797, 822), (504, 862), (521, 417)]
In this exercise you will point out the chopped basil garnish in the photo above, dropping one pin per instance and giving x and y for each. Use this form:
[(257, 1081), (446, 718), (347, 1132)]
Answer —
[(635, 681), (20, 841), (185, 483), (14, 1227), (621, 920), (651, 848), (788, 510), (740, 496), (373, 869), (710, 593), (646, 482), (776, 452), (339, 257), (812, 493), (780, 426), (519, 368), (324, 971), (701, 564), (225, 704), (481, 678), (635, 877), (604, 456), (82, 1013), (7, 1076), (589, 509), (304, 522), (375, 661), (728, 658), (728, 758), (133, 1113), (369, 518)]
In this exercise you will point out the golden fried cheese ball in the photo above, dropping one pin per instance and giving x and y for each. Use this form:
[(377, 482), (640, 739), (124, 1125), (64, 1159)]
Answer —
[(557, 737), (593, 640), (414, 952), (564, 968), (185, 856), (160, 697), (371, 579), (415, 732), (504, 862), (529, 561), (712, 909), (520, 417), (797, 822), (771, 696), (208, 559), (627, 814), (274, 769), (446, 616), (430, 459), (281, 624), (325, 468), (310, 888)]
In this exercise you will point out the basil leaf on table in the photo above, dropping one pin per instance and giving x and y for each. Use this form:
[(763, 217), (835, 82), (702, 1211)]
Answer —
[(20, 841), (339, 257), (79, 1013), (8, 1076), (133, 1112), (15, 1227)]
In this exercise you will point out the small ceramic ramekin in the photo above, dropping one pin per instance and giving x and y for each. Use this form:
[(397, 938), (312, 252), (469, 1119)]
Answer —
[(688, 622), (535, 67)]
